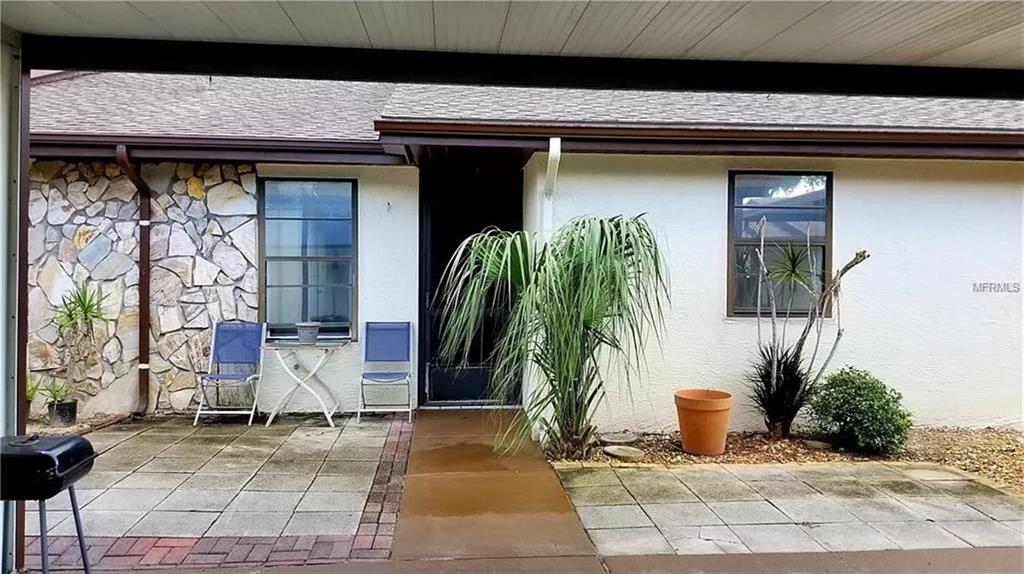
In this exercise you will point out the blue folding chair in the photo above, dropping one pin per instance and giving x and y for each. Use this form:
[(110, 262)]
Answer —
[(387, 363), (236, 361)]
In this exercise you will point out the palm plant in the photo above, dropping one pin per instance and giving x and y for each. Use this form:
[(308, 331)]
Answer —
[(76, 319), (594, 291)]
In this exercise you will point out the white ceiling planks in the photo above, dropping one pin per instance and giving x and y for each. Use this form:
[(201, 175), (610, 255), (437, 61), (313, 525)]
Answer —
[(328, 23), (185, 20), (936, 33), (539, 27), (608, 28), (469, 26), (257, 21), (679, 27), (399, 25)]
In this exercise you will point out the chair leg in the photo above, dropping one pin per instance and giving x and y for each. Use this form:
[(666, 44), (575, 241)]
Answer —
[(199, 408), (254, 385)]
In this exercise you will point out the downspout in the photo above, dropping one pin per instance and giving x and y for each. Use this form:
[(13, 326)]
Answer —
[(144, 262), (547, 206)]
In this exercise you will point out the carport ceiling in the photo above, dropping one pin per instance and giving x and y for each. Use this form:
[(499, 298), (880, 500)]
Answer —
[(956, 33)]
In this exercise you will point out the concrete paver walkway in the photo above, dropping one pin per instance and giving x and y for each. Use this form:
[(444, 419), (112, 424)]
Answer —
[(163, 492), (464, 500), (724, 509)]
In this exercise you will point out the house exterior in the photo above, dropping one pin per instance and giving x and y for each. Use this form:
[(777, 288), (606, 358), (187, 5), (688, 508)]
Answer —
[(931, 188)]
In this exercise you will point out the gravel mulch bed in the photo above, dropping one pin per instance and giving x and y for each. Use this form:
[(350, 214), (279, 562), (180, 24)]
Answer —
[(996, 454), (41, 427)]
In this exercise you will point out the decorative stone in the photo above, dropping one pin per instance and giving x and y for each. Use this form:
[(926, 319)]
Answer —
[(195, 189), (78, 219), (196, 211), (54, 281), (158, 175), (226, 295), (192, 295), (132, 276), (174, 213), (76, 194), (626, 453), (58, 209), (817, 445), (166, 287), (112, 208), (128, 333), (229, 198), (181, 266), (66, 251), (36, 206), (170, 318), (249, 282), (112, 350), (179, 188), (618, 438), (121, 189), (40, 313), (230, 260), (113, 296), (158, 237), (170, 343), (205, 272), (244, 239), (112, 170), (44, 171), (213, 228), (201, 320), (249, 183), (115, 265), (245, 167), (94, 209), (212, 176), (97, 189), (179, 243), (131, 297), (95, 251), (164, 201), (36, 242), (127, 211)]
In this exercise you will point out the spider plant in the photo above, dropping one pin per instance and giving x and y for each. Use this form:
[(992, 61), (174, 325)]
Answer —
[(76, 319), (593, 292)]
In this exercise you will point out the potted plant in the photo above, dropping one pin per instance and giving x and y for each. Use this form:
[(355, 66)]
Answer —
[(77, 319), (63, 412), (584, 299), (31, 390)]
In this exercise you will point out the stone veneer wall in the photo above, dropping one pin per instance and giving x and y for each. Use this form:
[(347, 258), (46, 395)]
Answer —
[(84, 228)]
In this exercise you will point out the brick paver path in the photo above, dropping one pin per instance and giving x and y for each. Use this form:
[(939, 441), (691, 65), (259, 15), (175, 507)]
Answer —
[(371, 535)]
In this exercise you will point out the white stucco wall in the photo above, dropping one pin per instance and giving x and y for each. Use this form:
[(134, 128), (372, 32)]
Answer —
[(387, 274), (933, 228)]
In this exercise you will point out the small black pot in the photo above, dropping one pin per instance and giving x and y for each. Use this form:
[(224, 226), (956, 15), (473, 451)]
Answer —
[(63, 413)]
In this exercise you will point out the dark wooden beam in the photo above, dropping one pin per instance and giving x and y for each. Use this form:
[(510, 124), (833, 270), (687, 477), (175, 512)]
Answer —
[(327, 63)]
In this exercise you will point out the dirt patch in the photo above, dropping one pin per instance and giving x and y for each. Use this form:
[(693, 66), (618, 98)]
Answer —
[(996, 454), (41, 427)]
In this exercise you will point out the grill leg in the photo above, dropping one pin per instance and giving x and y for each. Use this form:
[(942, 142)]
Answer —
[(44, 548), (78, 528)]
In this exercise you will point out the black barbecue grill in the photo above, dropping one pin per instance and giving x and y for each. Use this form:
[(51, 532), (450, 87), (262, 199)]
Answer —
[(38, 468)]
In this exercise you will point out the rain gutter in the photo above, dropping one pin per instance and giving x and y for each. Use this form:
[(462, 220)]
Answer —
[(145, 193)]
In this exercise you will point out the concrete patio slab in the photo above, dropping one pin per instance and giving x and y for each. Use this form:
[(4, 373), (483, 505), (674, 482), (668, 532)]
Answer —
[(660, 491), (630, 541), (723, 490), (599, 495), (917, 535), (99, 479), (701, 473), (331, 502), (197, 500), (128, 499), (879, 510), (845, 488), (249, 524), (941, 509), (623, 516), (173, 523), (704, 540), (681, 514), (984, 533), (279, 482), (776, 538), (814, 509), (269, 501), (1000, 507), (748, 512), (322, 524), (101, 522), (580, 477), (217, 480), (167, 480), (758, 472), (782, 488), (848, 537), (341, 483), (902, 487), (174, 464)]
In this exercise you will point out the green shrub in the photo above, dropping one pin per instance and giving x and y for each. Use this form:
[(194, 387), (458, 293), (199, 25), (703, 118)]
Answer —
[(858, 411)]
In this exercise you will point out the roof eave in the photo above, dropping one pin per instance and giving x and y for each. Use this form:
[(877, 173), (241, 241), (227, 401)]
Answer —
[(164, 148)]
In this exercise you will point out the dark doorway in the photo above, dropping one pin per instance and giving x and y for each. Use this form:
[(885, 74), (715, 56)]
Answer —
[(462, 191)]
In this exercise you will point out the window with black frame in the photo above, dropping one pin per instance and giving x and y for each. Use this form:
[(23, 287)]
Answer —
[(796, 208), (308, 240)]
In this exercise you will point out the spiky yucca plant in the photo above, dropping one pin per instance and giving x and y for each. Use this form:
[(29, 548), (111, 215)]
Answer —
[(76, 320), (595, 289)]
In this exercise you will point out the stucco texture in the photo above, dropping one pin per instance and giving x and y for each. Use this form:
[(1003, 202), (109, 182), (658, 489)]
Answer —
[(910, 314)]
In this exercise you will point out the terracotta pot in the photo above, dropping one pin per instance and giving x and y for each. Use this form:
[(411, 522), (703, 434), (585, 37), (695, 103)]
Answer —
[(703, 420)]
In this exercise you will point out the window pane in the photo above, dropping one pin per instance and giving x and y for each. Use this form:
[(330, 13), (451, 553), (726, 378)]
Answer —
[(308, 199), (789, 224), (311, 238), (788, 190), (309, 273), (780, 262), (294, 304)]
